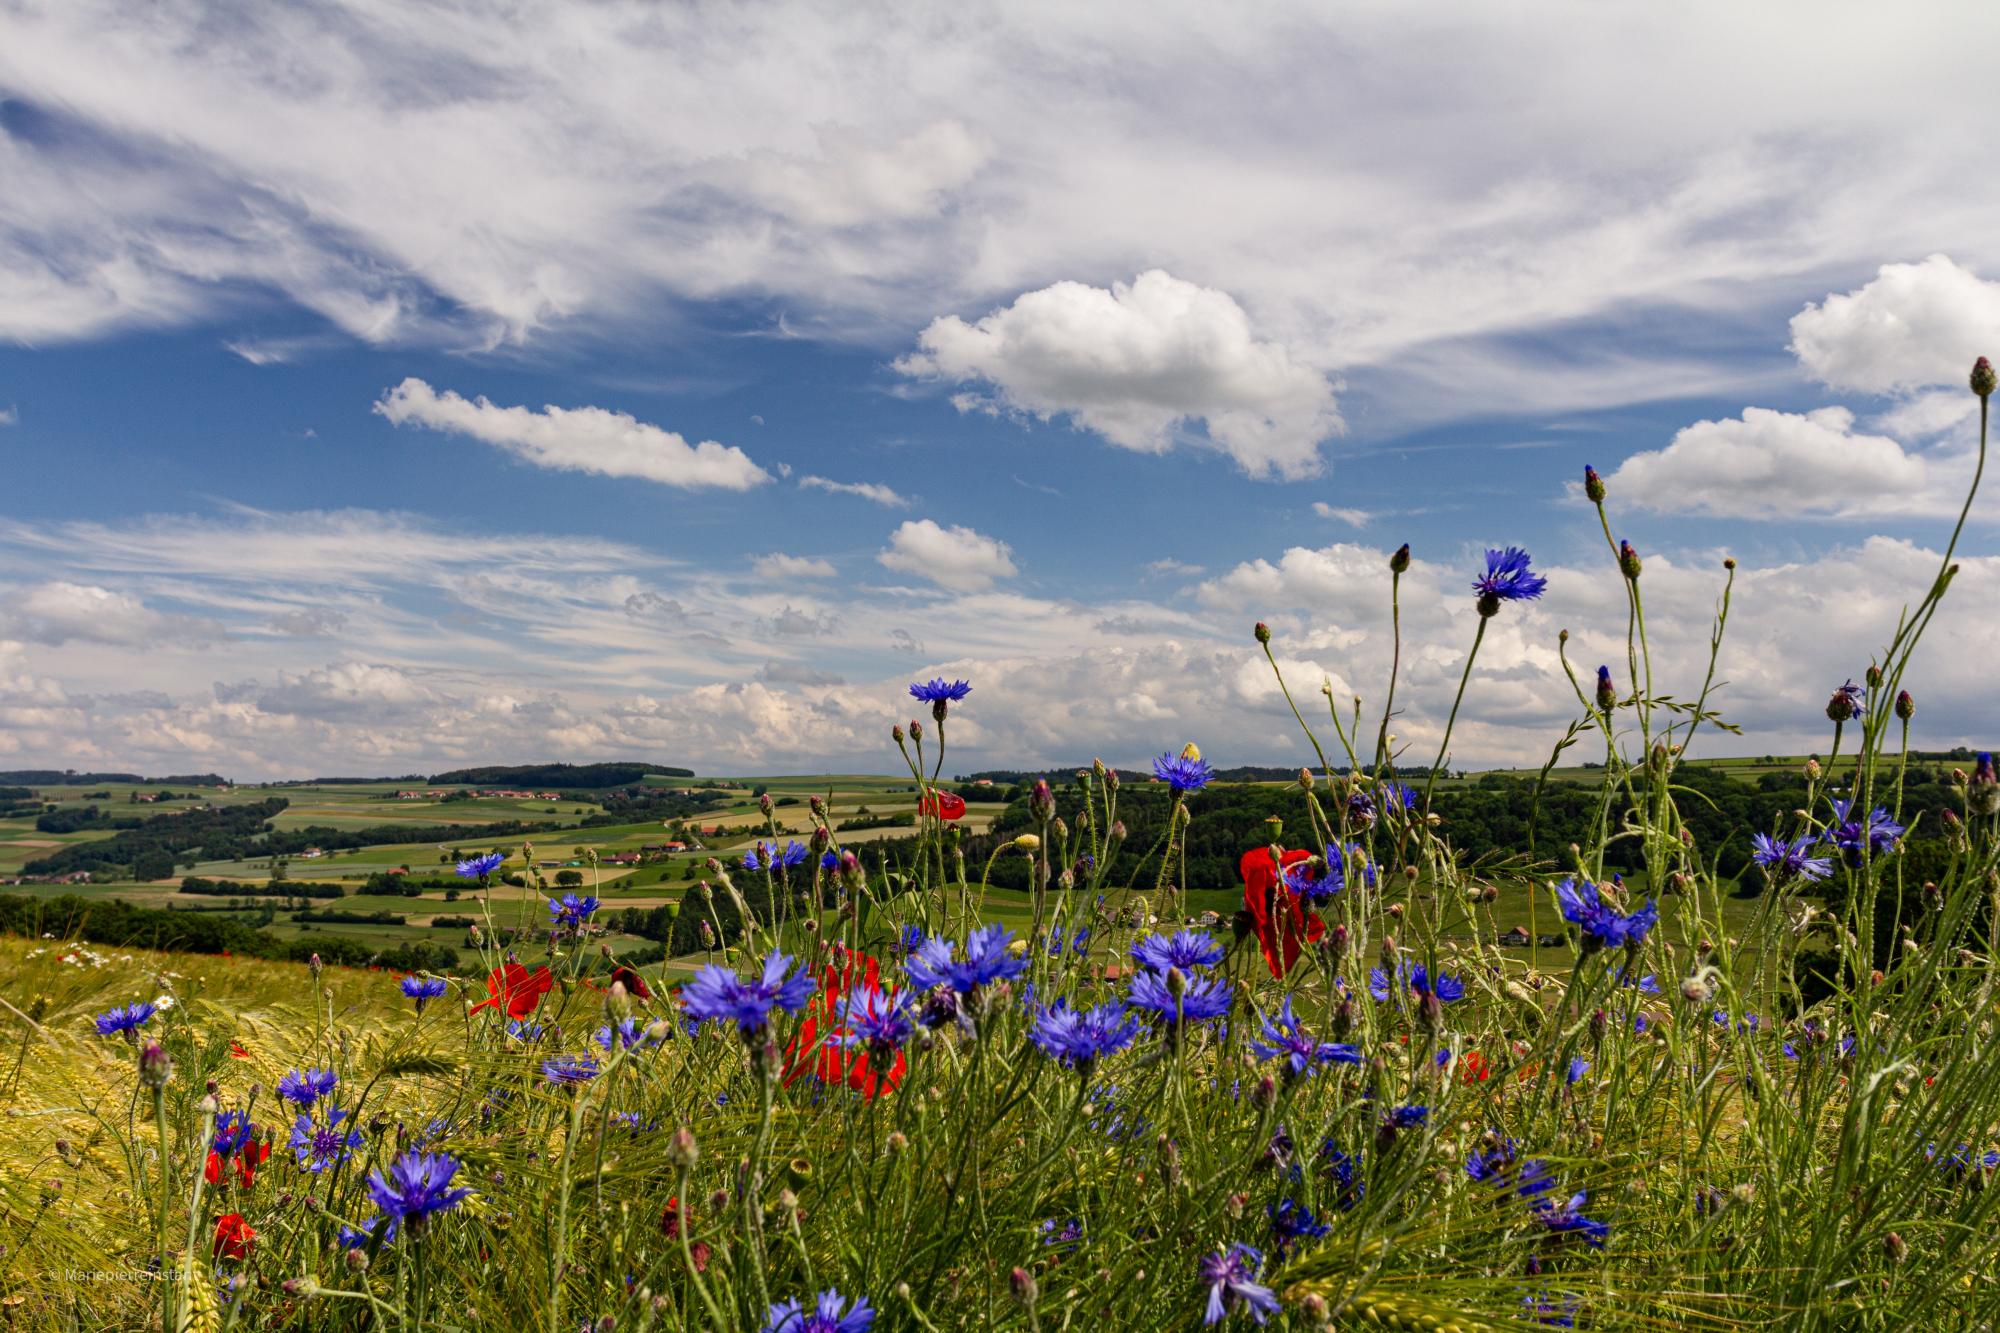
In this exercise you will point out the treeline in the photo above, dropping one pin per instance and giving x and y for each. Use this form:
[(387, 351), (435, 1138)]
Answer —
[(77, 819), (151, 850), (560, 777), (276, 888), (115, 922), (69, 777)]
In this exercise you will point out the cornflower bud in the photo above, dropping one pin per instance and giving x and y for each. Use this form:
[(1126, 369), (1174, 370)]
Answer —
[(1628, 561), (1400, 561), (1982, 377), (1607, 693), (1894, 1245), (896, 732), (1906, 707), (1263, 632), (916, 730), (1041, 802), (1593, 485), (1022, 1284), (1305, 779), (682, 1150), (156, 1067)]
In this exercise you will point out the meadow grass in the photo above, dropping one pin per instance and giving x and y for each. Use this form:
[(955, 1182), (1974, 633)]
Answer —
[(913, 1101)]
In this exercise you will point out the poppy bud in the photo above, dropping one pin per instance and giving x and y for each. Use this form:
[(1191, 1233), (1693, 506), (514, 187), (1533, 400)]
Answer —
[(1906, 707), (1593, 485), (1982, 377), (1400, 561), (1628, 560), (1263, 632)]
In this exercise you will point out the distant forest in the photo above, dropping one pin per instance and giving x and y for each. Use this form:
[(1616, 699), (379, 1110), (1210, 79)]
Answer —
[(561, 777)]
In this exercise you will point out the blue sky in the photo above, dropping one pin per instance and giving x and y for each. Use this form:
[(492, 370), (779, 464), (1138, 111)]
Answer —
[(390, 387)]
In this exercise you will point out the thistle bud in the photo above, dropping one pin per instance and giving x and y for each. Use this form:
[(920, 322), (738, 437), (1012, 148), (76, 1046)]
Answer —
[(1906, 707), (1263, 632), (1628, 561), (1400, 561), (1593, 485), (1982, 377)]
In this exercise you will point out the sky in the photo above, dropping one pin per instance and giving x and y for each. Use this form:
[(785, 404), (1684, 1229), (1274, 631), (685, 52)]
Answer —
[(391, 386)]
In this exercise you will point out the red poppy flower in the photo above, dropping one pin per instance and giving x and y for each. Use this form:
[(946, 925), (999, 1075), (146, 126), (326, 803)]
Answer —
[(245, 1159), (833, 1063), (236, 1051), (943, 804), (1472, 1068), (634, 984), (670, 1218), (1280, 919), (233, 1237), (515, 989)]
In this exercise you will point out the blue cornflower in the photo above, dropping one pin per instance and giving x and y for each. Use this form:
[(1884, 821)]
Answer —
[(626, 1033), (718, 993), (1398, 796), (1081, 1037), (1785, 860), (908, 939), (876, 1022), (1858, 838), (125, 1019), (1501, 1166), (352, 1238), (1508, 578), (830, 1314), (1551, 1311), (1405, 1117), (1231, 1278), (423, 989), (1360, 810), (1962, 1158), (567, 1071), (1853, 696), (521, 1030), (938, 691), (1292, 1222), (308, 1087), (986, 961), (1201, 999), (1603, 925), (1343, 1173), (1417, 980), (1301, 1051), (232, 1131), (770, 856), (1568, 1219), (1333, 872), (1578, 1067), (1646, 985), (477, 867), (1185, 949), (571, 909), (417, 1186), (1068, 1237), (319, 1147), (1187, 772)]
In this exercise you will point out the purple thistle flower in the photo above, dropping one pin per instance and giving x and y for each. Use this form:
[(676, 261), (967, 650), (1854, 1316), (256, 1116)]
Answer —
[(571, 909), (1184, 949), (718, 993), (417, 1186), (1508, 578), (939, 691), (308, 1087), (424, 989), (319, 1147), (830, 1314), (569, 1071), (478, 867), (1301, 1051), (125, 1019), (1081, 1037), (1200, 999), (1785, 860), (1183, 772), (1231, 1278), (1603, 926)]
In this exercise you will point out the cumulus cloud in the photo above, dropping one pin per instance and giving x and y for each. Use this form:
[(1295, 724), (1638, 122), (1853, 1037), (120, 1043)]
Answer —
[(777, 565), (956, 557), (1913, 326), (580, 439), (1135, 362), (792, 622), (59, 612), (867, 490), (1768, 464)]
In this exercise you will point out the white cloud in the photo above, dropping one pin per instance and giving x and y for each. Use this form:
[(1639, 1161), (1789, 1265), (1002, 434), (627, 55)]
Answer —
[(10, 415), (59, 612), (1768, 464), (1169, 565), (1136, 362), (956, 558), (580, 439), (780, 566), (867, 490), (1353, 518), (1913, 326)]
